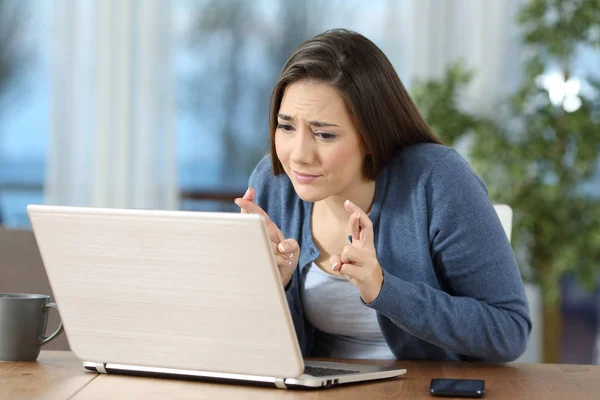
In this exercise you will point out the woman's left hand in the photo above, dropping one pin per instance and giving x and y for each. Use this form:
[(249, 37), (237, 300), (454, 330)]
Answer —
[(358, 261)]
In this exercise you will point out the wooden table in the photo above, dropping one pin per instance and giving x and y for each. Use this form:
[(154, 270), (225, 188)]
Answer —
[(59, 375)]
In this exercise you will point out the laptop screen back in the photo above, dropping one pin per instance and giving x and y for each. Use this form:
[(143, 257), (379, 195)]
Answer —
[(168, 289)]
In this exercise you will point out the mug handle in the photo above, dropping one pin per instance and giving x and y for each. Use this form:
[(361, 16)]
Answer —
[(46, 339)]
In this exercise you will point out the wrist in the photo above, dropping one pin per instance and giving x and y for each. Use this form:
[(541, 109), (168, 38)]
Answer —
[(375, 287)]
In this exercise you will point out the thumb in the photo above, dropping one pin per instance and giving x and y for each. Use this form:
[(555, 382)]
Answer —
[(336, 262)]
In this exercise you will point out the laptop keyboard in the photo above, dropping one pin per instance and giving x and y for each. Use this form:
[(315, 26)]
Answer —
[(321, 371)]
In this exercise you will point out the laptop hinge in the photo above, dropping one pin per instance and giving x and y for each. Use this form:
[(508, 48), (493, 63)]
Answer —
[(100, 367), (280, 383)]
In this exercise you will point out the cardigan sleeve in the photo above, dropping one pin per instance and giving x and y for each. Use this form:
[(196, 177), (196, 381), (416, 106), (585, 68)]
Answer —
[(483, 312)]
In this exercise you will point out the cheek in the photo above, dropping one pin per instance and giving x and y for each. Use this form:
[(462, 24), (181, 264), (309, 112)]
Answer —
[(344, 160), (281, 149)]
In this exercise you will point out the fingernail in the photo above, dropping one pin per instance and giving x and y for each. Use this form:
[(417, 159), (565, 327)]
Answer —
[(281, 247), (247, 191), (349, 203), (289, 263), (333, 266), (291, 255)]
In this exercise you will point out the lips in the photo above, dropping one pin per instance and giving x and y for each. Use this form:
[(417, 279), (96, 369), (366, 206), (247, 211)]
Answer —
[(305, 178)]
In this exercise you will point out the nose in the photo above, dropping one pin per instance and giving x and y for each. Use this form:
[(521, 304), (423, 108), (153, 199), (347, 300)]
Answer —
[(303, 151)]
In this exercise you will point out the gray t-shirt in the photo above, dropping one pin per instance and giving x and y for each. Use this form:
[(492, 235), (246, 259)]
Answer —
[(346, 328)]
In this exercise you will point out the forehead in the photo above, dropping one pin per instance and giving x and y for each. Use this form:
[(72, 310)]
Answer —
[(306, 99)]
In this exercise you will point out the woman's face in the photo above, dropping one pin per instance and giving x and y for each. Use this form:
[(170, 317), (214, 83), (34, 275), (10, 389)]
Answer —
[(317, 142)]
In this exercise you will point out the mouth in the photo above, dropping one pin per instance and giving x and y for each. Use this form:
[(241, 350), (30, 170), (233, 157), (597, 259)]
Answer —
[(305, 178)]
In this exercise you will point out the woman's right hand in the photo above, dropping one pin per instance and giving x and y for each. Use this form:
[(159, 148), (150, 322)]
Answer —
[(286, 251)]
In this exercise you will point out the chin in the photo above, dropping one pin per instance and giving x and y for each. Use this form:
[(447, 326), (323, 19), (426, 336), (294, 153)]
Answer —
[(310, 194)]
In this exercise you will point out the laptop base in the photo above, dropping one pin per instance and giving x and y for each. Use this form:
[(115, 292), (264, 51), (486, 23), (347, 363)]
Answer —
[(356, 373)]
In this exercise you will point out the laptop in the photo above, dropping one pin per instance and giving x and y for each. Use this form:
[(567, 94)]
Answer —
[(180, 294)]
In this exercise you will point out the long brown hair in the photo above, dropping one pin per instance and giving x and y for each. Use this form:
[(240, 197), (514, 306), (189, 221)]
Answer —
[(383, 112)]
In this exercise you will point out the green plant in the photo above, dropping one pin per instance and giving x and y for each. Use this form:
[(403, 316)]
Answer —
[(533, 154)]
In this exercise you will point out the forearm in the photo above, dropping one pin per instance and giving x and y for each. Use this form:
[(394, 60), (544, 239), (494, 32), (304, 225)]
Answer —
[(494, 331)]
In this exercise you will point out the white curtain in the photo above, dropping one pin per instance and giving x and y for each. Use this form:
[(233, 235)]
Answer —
[(423, 37), (113, 140)]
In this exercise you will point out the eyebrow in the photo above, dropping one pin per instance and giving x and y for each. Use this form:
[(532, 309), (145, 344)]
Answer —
[(317, 124)]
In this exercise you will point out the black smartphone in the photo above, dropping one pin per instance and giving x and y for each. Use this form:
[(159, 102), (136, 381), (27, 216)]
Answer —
[(457, 387)]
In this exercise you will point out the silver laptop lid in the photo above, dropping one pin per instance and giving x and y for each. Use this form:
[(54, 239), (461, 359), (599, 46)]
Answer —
[(170, 289)]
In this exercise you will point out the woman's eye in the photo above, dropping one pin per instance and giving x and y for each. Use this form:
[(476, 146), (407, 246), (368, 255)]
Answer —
[(325, 136), (285, 127)]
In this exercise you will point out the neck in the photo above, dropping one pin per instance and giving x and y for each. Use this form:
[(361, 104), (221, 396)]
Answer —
[(361, 194)]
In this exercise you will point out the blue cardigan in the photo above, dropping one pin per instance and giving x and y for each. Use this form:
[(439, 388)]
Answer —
[(452, 289)]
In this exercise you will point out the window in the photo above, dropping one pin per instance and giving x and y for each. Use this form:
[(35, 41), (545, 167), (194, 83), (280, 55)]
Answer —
[(24, 106)]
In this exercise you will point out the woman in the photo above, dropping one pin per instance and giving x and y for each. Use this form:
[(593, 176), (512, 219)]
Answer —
[(386, 241)]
